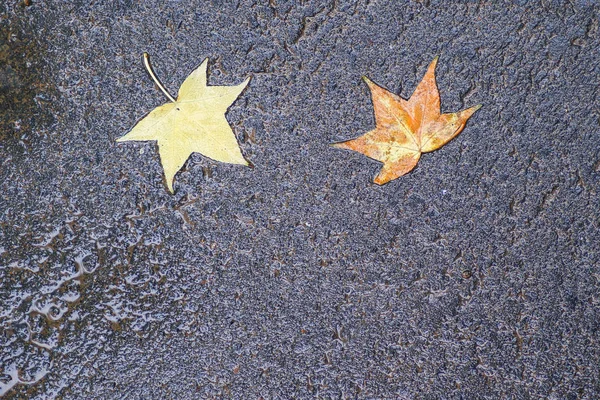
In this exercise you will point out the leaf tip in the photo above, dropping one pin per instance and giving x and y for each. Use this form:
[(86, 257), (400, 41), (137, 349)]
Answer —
[(246, 81), (203, 68), (477, 107), (379, 180)]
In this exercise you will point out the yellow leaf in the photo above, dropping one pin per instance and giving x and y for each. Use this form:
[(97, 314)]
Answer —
[(194, 122), (407, 128)]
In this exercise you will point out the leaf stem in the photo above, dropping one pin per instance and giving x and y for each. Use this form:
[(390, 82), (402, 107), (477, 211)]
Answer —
[(155, 79)]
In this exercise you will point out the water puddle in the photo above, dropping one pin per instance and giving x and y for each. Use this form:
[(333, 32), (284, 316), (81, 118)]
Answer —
[(28, 313)]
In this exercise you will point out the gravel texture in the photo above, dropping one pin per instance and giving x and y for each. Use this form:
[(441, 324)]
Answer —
[(473, 277)]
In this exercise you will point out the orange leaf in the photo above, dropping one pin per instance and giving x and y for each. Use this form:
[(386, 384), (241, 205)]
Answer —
[(407, 128)]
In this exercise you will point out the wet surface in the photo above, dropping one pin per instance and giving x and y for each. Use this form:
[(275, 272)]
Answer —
[(26, 95), (475, 276)]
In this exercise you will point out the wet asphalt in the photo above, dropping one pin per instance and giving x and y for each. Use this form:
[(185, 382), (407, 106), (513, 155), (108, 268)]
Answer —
[(473, 277)]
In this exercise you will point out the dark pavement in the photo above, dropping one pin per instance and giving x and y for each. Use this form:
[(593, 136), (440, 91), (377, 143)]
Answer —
[(474, 277)]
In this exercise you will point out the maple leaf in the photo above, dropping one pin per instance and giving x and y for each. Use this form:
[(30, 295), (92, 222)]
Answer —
[(407, 128), (195, 122)]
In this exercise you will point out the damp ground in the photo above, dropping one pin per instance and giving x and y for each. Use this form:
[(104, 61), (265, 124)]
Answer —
[(475, 276)]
